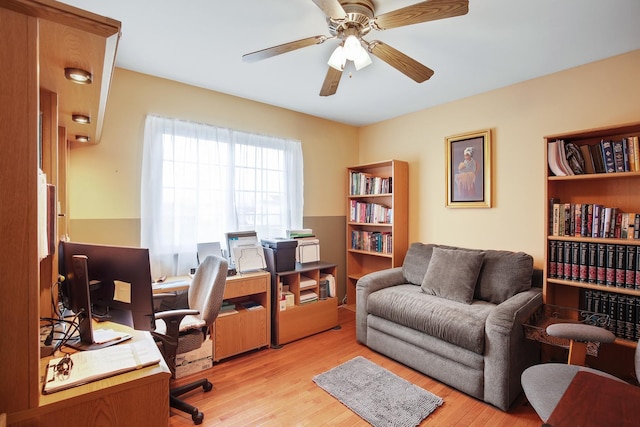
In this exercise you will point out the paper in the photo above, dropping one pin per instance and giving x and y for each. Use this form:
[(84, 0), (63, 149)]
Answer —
[(95, 365), (249, 258)]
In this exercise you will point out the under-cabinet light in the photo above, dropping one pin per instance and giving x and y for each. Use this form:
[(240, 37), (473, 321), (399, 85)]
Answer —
[(78, 75)]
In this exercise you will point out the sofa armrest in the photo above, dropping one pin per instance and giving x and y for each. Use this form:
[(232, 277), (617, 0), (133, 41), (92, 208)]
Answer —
[(368, 284), (507, 351)]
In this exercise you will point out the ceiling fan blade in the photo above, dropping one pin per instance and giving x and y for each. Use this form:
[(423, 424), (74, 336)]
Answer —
[(331, 81), (400, 61), (430, 10), (331, 8), (283, 48)]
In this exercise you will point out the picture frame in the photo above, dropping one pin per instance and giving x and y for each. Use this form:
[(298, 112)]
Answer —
[(468, 170)]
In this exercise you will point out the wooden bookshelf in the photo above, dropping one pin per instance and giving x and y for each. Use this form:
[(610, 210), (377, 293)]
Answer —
[(619, 190), (371, 186)]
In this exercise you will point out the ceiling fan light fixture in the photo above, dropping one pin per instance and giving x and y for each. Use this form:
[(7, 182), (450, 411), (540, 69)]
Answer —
[(362, 60), (352, 47), (338, 59)]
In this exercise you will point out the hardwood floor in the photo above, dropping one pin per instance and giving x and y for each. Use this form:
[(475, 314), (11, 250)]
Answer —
[(273, 387)]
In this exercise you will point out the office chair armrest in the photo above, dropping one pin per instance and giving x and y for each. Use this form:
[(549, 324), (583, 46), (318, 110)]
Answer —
[(580, 332), (172, 314)]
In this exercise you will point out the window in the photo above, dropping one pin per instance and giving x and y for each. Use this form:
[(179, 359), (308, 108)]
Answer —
[(200, 181)]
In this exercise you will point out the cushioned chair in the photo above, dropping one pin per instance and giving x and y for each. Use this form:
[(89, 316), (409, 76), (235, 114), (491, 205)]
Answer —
[(545, 384), (182, 330)]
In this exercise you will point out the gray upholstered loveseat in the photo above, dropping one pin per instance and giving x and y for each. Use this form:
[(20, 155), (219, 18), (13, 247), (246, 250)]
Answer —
[(455, 315)]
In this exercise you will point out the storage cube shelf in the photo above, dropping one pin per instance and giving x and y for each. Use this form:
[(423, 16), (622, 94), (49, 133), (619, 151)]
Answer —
[(309, 313), (377, 219)]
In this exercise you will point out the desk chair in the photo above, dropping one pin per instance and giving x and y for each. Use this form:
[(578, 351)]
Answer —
[(545, 384), (182, 330)]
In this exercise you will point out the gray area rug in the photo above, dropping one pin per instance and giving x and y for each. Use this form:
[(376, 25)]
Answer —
[(378, 396)]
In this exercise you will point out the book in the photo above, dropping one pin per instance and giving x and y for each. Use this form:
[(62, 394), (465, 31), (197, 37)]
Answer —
[(553, 260), (607, 156), (593, 263), (568, 262), (552, 216), (630, 267), (618, 155), (601, 263), (562, 159), (598, 160), (621, 262), (583, 273), (589, 166), (634, 153), (94, 365), (610, 264), (575, 261), (625, 153), (552, 158)]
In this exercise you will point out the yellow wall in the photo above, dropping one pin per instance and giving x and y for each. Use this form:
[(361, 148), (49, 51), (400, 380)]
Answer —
[(104, 179), (595, 95)]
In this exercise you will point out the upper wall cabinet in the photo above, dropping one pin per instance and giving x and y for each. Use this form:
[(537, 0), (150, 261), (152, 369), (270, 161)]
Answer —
[(74, 38)]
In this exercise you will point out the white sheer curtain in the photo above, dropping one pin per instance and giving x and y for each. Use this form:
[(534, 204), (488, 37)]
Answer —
[(199, 182)]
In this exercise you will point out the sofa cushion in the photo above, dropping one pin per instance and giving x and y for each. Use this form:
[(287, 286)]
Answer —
[(503, 274), (452, 274), (456, 323), (417, 260)]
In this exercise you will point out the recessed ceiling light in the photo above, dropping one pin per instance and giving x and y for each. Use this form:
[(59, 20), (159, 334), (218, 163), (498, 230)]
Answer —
[(82, 138), (78, 75), (81, 118)]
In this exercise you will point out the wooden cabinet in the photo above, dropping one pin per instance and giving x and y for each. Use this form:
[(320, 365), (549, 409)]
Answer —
[(244, 329), (301, 318), (40, 38), (377, 220), (573, 287)]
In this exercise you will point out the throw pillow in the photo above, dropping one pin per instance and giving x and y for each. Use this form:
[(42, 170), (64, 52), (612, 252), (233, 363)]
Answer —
[(452, 274), (503, 275)]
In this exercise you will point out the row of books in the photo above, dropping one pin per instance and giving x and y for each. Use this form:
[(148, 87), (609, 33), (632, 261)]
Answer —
[(592, 220), (607, 156), (623, 311), (361, 183), (374, 241), (605, 264), (372, 213)]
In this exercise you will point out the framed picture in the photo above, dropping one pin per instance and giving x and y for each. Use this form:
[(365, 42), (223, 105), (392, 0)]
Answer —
[(468, 157)]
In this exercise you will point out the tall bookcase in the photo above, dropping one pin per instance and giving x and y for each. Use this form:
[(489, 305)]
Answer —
[(572, 287), (377, 219)]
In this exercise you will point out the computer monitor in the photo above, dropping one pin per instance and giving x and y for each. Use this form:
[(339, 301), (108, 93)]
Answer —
[(106, 283)]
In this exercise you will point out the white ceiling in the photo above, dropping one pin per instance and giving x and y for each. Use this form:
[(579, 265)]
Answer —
[(498, 43)]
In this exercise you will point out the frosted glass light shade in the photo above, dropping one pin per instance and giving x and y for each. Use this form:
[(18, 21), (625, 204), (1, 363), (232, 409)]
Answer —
[(338, 59), (352, 47), (362, 60)]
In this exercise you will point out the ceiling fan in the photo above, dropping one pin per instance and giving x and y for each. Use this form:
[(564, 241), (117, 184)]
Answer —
[(350, 20)]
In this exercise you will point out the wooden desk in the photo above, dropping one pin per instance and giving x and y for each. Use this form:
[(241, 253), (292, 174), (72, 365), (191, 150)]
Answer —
[(135, 398), (244, 330), (593, 400)]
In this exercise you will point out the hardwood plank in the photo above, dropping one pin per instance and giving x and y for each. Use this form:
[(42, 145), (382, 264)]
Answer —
[(273, 387)]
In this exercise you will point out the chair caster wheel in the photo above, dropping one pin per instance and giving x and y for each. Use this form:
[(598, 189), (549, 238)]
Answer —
[(207, 386), (197, 417)]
